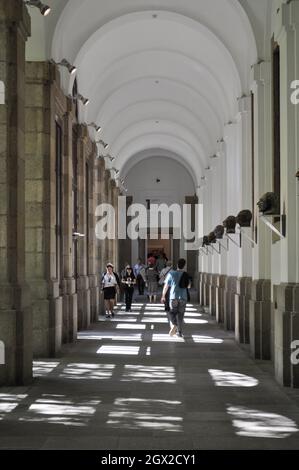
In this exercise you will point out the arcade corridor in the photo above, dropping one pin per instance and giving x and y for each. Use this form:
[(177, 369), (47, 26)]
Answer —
[(125, 384)]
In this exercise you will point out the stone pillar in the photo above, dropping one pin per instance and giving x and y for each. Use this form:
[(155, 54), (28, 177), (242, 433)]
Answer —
[(125, 246), (15, 308), (106, 198), (83, 290), (242, 299), (68, 289), (101, 243), (260, 303), (287, 332), (229, 302), (286, 313), (40, 202), (92, 248), (260, 307)]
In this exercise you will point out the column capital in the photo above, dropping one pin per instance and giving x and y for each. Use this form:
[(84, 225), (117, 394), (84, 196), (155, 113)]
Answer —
[(262, 71), (244, 104), (15, 12)]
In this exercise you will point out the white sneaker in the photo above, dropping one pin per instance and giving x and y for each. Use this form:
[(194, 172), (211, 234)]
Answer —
[(173, 330)]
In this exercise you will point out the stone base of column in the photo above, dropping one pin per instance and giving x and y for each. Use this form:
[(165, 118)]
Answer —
[(195, 284), (69, 311), (94, 298), (201, 289), (83, 293), (46, 318), (220, 287), (16, 335), (212, 294), (229, 302), (286, 327), (206, 293), (242, 298), (260, 319)]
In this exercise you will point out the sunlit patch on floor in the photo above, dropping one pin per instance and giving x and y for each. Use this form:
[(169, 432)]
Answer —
[(151, 414), (154, 320), (232, 379), (261, 424), (206, 339), (119, 350), (149, 374), (43, 368), (166, 338), (58, 409), (8, 402), (84, 371), (195, 321), (111, 336), (126, 326)]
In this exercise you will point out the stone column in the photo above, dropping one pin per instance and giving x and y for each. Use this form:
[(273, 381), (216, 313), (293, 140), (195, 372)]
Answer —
[(40, 203), (15, 308), (125, 246), (83, 291), (68, 281), (243, 289), (286, 334), (101, 257), (92, 248), (260, 303), (106, 197), (286, 313)]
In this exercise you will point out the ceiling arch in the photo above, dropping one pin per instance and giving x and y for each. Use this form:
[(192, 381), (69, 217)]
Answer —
[(161, 153), (179, 65)]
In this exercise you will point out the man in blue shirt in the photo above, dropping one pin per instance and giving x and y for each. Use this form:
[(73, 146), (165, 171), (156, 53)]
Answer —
[(178, 299)]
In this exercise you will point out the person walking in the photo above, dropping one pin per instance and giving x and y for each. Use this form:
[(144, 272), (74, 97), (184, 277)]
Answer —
[(110, 285), (128, 280), (177, 281), (138, 270), (163, 275), (151, 276)]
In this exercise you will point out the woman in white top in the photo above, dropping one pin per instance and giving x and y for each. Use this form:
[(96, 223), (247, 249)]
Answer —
[(110, 282)]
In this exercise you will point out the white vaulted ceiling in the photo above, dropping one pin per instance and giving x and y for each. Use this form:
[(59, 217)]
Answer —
[(162, 76)]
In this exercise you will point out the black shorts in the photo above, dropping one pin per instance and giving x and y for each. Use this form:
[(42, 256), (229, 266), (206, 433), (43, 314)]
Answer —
[(109, 293)]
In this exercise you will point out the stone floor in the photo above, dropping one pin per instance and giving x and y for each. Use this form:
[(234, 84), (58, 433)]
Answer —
[(126, 384)]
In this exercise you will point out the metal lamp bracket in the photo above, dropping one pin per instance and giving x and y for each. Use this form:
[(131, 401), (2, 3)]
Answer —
[(215, 249), (243, 232), (234, 241), (223, 246), (282, 233)]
